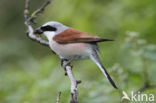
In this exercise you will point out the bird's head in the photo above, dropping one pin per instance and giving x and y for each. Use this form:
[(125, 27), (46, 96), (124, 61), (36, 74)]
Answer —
[(51, 28)]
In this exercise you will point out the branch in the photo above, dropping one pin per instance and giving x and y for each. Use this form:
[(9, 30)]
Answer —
[(58, 97), (145, 87), (39, 11), (66, 65), (30, 19), (147, 84), (74, 83)]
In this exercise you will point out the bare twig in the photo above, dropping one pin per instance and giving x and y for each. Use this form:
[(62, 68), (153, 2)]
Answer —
[(146, 84), (74, 83), (28, 20), (58, 97), (39, 11), (145, 87), (26, 11), (67, 66)]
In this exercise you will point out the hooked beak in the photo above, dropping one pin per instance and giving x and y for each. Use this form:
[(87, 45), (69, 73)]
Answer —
[(38, 31)]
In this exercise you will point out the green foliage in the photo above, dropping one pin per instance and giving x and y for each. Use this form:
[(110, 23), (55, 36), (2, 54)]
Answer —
[(30, 73)]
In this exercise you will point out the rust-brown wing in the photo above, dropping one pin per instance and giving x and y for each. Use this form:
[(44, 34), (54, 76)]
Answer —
[(74, 36)]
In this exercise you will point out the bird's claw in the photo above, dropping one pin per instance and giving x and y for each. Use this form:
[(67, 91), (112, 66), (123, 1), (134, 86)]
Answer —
[(66, 64), (62, 60)]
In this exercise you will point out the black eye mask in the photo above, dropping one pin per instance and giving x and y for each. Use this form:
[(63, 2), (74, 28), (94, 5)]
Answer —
[(48, 28)]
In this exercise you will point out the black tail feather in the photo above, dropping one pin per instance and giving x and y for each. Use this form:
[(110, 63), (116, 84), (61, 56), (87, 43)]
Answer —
[(110, 79), (96, 59)]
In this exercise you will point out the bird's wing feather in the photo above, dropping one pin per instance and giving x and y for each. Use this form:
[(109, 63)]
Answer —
[(74, 36)]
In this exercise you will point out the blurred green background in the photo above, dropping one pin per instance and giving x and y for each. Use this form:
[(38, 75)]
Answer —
[(31, 73)]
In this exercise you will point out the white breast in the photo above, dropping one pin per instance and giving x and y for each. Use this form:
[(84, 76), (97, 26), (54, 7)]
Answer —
[(69, 51)]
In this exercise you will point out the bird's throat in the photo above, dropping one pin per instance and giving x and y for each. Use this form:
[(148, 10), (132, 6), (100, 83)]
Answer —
[(49, 35)]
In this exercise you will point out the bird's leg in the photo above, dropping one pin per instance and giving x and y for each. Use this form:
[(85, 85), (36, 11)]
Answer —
[(64, 63), (62, 60)]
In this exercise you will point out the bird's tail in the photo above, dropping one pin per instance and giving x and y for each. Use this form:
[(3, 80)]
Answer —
[(94, 57)]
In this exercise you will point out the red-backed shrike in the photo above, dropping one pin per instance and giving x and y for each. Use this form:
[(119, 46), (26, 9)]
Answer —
[(71, 44)]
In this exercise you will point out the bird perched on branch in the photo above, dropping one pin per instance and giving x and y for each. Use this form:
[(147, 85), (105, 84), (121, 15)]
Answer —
[(71, 44)]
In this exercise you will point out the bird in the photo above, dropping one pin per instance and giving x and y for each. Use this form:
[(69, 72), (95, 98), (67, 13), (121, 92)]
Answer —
[(71, 44)]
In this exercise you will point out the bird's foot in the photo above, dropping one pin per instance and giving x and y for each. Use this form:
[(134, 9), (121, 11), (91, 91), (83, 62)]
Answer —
[(64, 63), (62, 60)]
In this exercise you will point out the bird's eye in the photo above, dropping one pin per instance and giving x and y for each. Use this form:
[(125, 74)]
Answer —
[(48, 28)]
